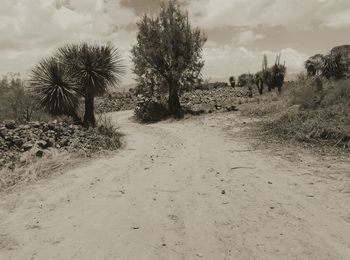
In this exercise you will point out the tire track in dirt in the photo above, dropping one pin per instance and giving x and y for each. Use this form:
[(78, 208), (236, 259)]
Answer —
[(179, 190)]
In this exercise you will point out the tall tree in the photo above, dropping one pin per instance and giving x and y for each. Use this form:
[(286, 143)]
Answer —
[(168, 53), (94, 68)]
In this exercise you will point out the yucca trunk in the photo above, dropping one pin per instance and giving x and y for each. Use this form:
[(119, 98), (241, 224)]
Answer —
[(89, 116)]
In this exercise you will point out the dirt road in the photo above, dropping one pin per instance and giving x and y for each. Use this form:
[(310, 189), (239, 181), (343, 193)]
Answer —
[(184, 190)]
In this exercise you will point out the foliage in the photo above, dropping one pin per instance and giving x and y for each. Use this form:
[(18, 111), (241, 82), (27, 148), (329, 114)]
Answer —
[(309, 94), (149, 111), (78, 70), (54, 87), (314, 65), (168, 54), (333, 66), (94, 69), (245, 79), (16, 102), (232, 81), (312, 110)]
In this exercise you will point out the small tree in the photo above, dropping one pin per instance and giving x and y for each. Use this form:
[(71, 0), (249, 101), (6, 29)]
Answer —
[(314, 65), (333, 66), (258, 79), (94, 69), (168, 54), (232, 81)]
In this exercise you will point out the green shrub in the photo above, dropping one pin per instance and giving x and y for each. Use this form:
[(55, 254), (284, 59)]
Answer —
[(149, 111), (17, 103)]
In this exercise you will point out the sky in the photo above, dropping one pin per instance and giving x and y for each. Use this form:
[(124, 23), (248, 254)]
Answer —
[(239, 32)]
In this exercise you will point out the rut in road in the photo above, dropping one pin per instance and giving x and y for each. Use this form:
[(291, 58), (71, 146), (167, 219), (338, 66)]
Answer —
[(182, 190)]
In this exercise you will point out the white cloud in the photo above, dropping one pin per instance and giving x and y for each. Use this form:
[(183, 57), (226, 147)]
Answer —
[(248, 37), (31, 29), (66, 18), (339, 20), (224, 61), (289, 13)]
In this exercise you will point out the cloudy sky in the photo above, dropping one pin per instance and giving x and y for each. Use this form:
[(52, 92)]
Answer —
[(239, 31)]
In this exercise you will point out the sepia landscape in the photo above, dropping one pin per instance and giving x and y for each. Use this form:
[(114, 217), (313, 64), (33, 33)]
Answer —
[(175, 129)]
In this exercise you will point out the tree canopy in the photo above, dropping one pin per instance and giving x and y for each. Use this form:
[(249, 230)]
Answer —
[(168, 53)]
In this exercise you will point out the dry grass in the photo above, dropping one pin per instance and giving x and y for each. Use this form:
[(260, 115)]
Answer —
[(309, 111), (33, 168)]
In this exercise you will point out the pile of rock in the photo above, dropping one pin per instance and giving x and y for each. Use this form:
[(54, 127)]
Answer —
[(223, 98), (116, 102), (39, 137)]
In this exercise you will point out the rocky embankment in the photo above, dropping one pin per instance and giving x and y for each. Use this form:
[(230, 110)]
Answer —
[(217, 97), (116, 102), (39, 138), (222, 98)]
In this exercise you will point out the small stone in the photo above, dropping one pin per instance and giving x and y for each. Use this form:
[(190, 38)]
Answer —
[(27, 146), (223, 192), (199, 255), (35, 124), (10, 124), (3, 132), (42, 144), (50, 142), (17, 141), (269, 182), (39, 153)]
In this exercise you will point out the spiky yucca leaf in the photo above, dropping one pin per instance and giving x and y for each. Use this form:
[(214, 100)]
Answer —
[(333, 66), (95, 67), (54, 87)]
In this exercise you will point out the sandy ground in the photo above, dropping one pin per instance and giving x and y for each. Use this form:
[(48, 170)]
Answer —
[(184, 190)]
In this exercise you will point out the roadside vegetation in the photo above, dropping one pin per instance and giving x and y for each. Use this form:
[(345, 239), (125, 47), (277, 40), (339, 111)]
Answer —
[(314, 109), (53, 114)]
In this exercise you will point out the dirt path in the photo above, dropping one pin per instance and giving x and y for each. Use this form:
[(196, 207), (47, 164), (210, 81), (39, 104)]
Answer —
[(183, 190)]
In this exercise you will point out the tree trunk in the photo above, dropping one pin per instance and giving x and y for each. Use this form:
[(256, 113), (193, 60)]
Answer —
[(174, 102), (260, 85), (279, 88), (89, 116)]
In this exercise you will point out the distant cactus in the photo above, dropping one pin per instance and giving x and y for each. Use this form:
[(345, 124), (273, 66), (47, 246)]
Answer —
[(259, 81), (232, 81)]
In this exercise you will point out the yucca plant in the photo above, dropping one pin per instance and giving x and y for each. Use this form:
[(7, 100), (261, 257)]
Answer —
[(314, 65), (95, 68), (333, 66), (55, 89)]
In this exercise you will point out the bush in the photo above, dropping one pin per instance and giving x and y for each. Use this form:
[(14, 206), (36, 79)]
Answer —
[(148, 111), (311, 110), (15, 101), (308, 94)]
